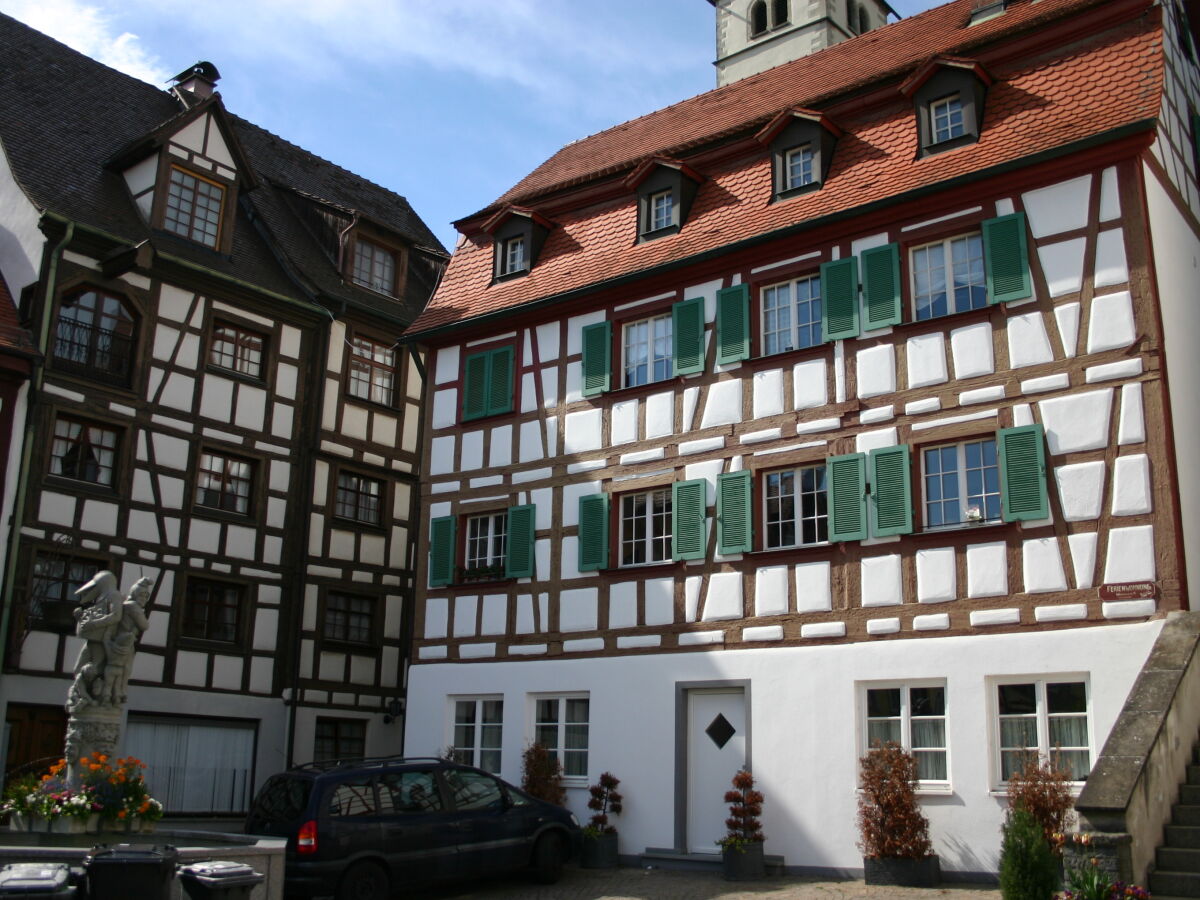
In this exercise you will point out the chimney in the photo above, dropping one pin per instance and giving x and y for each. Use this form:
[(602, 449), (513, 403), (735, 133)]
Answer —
[(199, 80)]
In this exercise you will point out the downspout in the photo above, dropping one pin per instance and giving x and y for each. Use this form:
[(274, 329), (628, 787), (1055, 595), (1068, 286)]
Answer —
[(27, 444), (342, 235)]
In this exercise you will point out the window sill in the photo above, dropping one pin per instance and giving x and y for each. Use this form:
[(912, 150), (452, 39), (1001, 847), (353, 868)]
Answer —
[(788, 357), (510, 276), (933, 149), (81, 485), (646, 236), (223, 515), (348, 397), (374, 290), (357, 524), (943, 530), (345, 646), (646, 569), (798, 548), (638, 390), (242, 377), (798, 191), (209, 645)]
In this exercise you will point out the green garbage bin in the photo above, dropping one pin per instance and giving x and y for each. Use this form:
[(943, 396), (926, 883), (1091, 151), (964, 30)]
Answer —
[(219, 880), (124, 871), (43, 881)]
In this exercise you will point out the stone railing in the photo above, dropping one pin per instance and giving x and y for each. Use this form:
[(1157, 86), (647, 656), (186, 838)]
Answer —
[(1128, 796)]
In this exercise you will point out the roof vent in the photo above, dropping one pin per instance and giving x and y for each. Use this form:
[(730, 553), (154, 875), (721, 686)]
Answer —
[(199, 80), (982, 10)]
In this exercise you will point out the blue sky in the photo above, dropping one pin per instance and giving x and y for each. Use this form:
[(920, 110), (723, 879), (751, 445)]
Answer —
[(448, 102)]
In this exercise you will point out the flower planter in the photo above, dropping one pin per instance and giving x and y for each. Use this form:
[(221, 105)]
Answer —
[(744, 863), (68, 825), (923, 872), (599, 852)]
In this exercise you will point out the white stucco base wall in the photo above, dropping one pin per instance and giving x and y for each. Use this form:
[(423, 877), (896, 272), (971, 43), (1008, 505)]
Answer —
[(805, 727)]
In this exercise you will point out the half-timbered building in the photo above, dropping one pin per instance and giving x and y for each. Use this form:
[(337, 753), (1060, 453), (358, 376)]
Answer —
[(220, 405), (849, 401)]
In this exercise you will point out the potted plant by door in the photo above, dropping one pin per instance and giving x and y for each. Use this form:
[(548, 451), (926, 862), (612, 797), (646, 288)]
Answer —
[(742, 846), (895, 833), (599, 837)]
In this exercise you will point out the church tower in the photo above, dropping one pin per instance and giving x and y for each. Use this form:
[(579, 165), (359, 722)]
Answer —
[(753, 35)]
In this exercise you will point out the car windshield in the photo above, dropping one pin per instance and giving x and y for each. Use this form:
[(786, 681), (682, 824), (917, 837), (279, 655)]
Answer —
[(283, 799)]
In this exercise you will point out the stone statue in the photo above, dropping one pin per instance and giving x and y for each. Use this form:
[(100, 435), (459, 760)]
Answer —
[(110, 627)]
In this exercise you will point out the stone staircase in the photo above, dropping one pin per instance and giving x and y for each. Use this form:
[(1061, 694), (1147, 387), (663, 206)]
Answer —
[(1177, 862)]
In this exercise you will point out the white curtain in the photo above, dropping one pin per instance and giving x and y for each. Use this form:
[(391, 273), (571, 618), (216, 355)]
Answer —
[(194, 768)]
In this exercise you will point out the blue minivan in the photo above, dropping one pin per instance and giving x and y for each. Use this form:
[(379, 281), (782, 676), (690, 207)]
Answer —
[(363, 829)]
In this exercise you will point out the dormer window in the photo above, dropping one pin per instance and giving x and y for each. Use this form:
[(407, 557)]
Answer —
[(947, 118), (517, 238), (802, 143), (193, 207), (374, 267), (948, 96), (665, 189)]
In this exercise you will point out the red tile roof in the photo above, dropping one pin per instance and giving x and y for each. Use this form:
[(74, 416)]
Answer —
[(12, 335), (1040, 102)]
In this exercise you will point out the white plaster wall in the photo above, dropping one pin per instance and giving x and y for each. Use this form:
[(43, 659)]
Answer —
[(807, 773), (1176, 259), (14, 465)]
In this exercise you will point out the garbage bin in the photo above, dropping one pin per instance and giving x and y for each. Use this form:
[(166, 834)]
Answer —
[(124, 871), (219, 880), (41, 880)]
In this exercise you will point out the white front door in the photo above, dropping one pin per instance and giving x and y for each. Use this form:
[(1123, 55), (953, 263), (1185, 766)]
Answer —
[(716, 736)]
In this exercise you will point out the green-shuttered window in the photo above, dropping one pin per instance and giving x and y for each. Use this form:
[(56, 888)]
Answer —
[(593, 532), (1006, 258), (847, 480), (735, 533), (442, 547), (687, 334), (519, 561), (1023, 473), (488, 383), (688, 508), (881, 286), (733, 324), (839, 289), (891, 492), (597, 359)]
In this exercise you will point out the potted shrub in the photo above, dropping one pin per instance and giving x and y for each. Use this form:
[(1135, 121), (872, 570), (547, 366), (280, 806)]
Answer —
[(742, 846), (541, 775), (895, 833), (1027, 865), (600, 837)]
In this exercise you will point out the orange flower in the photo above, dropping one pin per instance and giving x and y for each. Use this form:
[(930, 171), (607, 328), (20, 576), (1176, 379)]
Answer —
[(121, 814), (103, 757), (94, 767)]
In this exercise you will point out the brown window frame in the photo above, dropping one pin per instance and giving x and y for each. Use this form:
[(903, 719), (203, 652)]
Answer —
[(83, 441), (242, 338), (192, 602), (189, 223), (339, 616), (377, 250), (359, 494), (225, 479), (338, 738), (63, 620), (86, 338), (357, 361)]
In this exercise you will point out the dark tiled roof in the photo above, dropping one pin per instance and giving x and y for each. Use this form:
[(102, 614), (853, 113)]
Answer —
[(63, 115), (1042, 101)]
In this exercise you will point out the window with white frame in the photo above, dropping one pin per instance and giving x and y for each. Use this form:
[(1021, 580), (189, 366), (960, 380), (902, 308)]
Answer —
[(946, 118), (961, 483), (948, 277), (487, 539), (561, 726), (791, 315), (646, 527), (662, 210), (648, 353), (1044, 719), (478, 731), (796, 507), (798, 167), (913, 716), (514, 256)]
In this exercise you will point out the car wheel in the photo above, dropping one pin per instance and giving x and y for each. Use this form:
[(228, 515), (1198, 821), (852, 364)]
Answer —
[(548, 859), (364, 881)]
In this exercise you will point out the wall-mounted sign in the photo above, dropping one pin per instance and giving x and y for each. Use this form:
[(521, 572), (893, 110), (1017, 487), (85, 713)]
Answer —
[(1133, 590)]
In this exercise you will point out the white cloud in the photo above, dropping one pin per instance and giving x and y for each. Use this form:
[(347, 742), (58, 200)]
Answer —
[(88, 29)]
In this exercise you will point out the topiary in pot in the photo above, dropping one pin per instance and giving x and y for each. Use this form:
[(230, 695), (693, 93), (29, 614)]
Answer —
[(600, 837), (894, 831), (541, 775), (742, 846), (1028, 869)]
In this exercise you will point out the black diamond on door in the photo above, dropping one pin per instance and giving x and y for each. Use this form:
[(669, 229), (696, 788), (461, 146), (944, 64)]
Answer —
[(720, 731)]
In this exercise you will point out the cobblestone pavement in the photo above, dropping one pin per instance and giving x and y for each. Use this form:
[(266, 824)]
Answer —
[(668, 884)]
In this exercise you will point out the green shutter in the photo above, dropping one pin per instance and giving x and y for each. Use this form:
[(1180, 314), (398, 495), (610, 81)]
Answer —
[(733, 324), (839, 299), (475, 392), (687, 336), (593, 532), (688, 506), (441, 550), (1023, 474), (847, 497), (735, 533), (891, 492), (881, 286), (500, 381), (597, 358), (518, 559), (1006, 259)]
